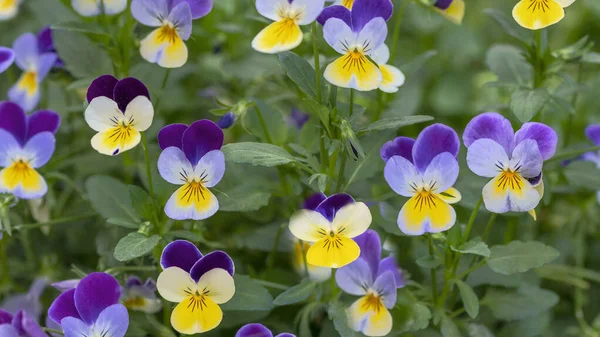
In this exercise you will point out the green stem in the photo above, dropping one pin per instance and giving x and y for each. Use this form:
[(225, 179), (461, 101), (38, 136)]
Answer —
[(272, 284), (433, 270), (341, 173), (271, 258), (573, 153), (574, 104), (324, 157), (538, 76), (121, 269), (317, 63), (465, 237), (488, 227), (4, 260), (351, 102), (148, 165), (263, 124), (397, 27), (56, 221), (511, 230), (286, 188), (471, 269), (334, 289), (162, 90)]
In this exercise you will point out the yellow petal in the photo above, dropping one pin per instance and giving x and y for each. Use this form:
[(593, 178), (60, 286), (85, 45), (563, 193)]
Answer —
[(333, 252), (426, 212), (355, 71), (196, 314), (116, 140), (450, 196), (455, 12), (369, 316), (537, 14), (20, 178), (279, 36), (164, 47)]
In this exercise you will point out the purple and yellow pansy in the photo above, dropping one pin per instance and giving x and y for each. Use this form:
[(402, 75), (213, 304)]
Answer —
[(330, 224), (285, 33), (89, 8), (538, 14), (197, 283), (513, 160), (165, 46), (9, 9), (26, 143), (453, 10), (140, 296), (21, 324), (258, 330), (118, 110), (424, 170), (376, 281), (356, 34)]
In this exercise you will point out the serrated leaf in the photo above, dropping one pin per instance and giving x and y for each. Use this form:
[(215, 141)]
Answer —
[(257, 154), (135, 245), (475, 247), (295, 294), (526, 103), (249, 296), (301, 73), (469, 298), (395, 123), (519, 257), (521, 304)]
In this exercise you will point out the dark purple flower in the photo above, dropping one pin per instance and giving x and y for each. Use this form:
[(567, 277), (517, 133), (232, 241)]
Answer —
[(19, 325), (328, 206), (258, 330), (226, 121)]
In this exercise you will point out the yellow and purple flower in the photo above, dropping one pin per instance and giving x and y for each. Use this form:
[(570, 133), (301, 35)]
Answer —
[(376, 280), (165, 46), (7, 57), (424, 170), (258, 330), (92, 308), (9, 9), (118, 111), (453, 10), (197, 283), (593, 133), (26, 143), (19, 325), (285, 33), (538, 14), (89, 8), (331, 225), (192, 158), (513, 160), (357, 35), (140, 296)]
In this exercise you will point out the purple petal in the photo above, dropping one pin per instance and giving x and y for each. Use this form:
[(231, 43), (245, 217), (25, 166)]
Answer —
[(314, 201), (149, 12), (74, 327), (337, 11), (7, 330), (254, 330), (385, 285), (150, 284), (53, 325), (364, 11), (41, 121), (370, 249), (133, 281), (443, 4), (113, 321), (490, 125), (171, 135), (182, 15), (63, 306), (544, 135), (44, 38), (200, 138), (30, 326), (13, 120), (355, 278), (7, 57), (442, 171), (198, 8), (535, 180), (298, 118), (329, 207), (180, 253), (433, 140), (127, 89), (65, 285), (226, 121), (20, 96), (102, 86), (527, 156), (96, 292), (216, 259), (593, 133), (389, 264), (45, 64), (26, 51), (401, 146), (5, 317)]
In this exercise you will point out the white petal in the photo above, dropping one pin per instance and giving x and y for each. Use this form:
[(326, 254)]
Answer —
[(141, 111), (310, 10), (219, 283), (112, 7), (381, 55), (565, 3), (483, 156), (101, 113), (174, 166), (270, 9), (393, 78), (306, 225), (355, 218), (499, 200), (173, 283)]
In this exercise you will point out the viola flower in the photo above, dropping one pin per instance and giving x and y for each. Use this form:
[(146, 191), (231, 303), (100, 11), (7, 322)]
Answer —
[(376, 281), (35, 65), (197, 283), (29, 302), (192, 158), (140, 296), (453, 10), (258, 330), (226, 121), (513, 160), (173, 18), (92, 308), (331, 223), (7, 57), (285, 33), (9, 9), (392, 77), (593, 134), (19, 325), (118, 110), (356, 34), (424, 170), (89, 8), (26, 143), (538, 14)]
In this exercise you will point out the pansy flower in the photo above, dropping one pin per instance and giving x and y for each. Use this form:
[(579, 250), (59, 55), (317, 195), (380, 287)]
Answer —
[(94, 7), (376, 281), (92, 308), (140, 296), (258, 330), (197, 283), (118, 111), (26, 143), (331, 224), (285, 33), (29, 302), (192, 158), (35, 65), (9, 9), (424, 170), (593, 134), (19, 325), (513, 160), (453, 10), (538, 14), (356, 34), (7, 57), (173, 19), (392, 77)]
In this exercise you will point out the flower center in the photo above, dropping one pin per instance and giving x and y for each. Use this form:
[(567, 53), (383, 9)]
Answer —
[(372, 302), (539, 5), (355, 61), (168, 32), (28, 82), (135, 302), (197, 299), (348, 3), (509, 179)]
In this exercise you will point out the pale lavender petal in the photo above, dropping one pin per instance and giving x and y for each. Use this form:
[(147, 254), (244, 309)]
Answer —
[(401, 146), (385, 286), (544, 135), (200, 138), (355, 278), (29, 302), (484, 156), (112, 321), (42, 121), (13, 120), (40, 148), (63, 306), (127, 89), (336, 11), (314, 201), (7, 330), (133, 281), (310, 9), (102, 86), (181, 17), (5, 317), (30, 326), (198, 8), (20, 96), (442, 172), (9, 149), (53, 325), (45, 64), (74, 327), (150, 284), (363, 11), (433, 140), (527, 159), (149, 12), (254, 330), (593, 133), (372, 35), (400, 174), (490, 125), (173, 166), (180, 253), (216, 259), (389, 264), (338, 35), (7, 57), (65, 285), (26, 51), (96, 292), (171, 135), (370, 249), (329, 207)]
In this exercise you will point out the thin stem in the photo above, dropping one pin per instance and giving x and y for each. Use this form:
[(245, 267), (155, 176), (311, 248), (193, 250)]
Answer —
[(148, 165), (573, 154), (341, 173), (317, 63), (272, 284), (162, 89), (121, 269), (574, 104), (56, 221), (324, 157), (263, 124), (488, 227), (473, 268), (351, 102), (4, 260), (465, 237), (538, 76), (511, 230), (433, 270), (397, 27), (334, 289)]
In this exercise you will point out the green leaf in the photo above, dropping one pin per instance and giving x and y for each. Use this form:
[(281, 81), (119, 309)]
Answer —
[(301, 73), (395, 123), (583, 175), (410, 316), (506, 23), (479, 330), (295, 294), (337, 313), (135, 245), (257, 154), (126, 223), (83, 58), (508, 63), (320, 110), (475, 247), (80, 27), (141, 201), (469, 298), (429, 261), (449, 329), (526, 103), (274, 123), (521, 304), (110, 198), (244, 198), (519, 257), (249, 296)]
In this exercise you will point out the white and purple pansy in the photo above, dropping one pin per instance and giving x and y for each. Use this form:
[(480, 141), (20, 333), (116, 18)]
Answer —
[(424, 170), (9, 9), (92, 308), (453, 10), (35, 64), (7, 57), (192, 158), (376, 281), (285, 33), (592, 132), (197, 283), (356, 34), (118, 110), (26, 143), (513, 160), (20, 325), (258, 330), (173, 22), (140, 296), (95, 7)]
